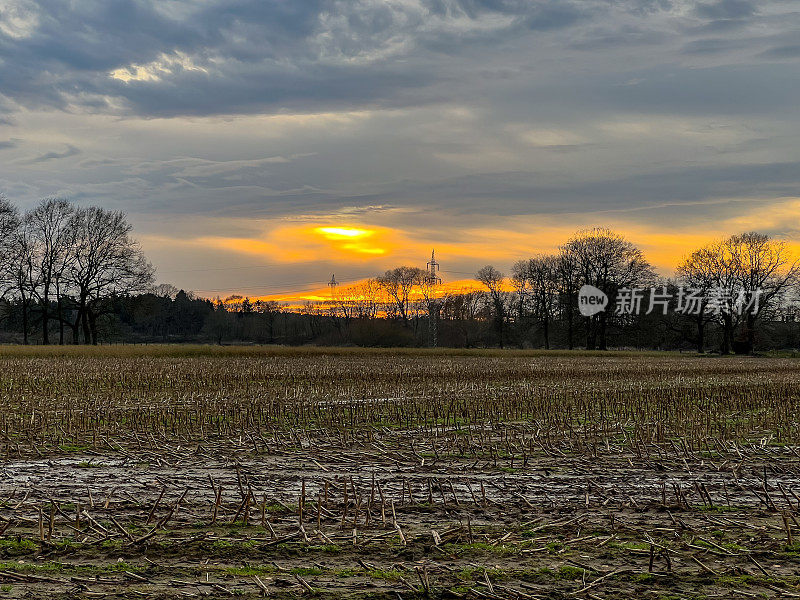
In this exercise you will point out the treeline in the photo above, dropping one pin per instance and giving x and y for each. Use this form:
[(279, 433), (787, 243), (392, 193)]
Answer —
[(74, 275), (737, 294), (734, 294)]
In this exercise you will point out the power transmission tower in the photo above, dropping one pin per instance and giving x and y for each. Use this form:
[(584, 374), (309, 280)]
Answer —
[(333, 284), (433, 281), (433, 266)]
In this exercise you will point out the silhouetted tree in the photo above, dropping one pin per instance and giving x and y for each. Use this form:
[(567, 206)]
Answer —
[(106, 262), (541, 288), (493, 280), (51, 239), (698, 275), (749, 268), (398, 284), (609, 262)]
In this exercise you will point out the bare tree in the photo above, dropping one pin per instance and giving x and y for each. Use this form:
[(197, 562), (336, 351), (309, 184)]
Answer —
[(462, 308), (568, 282), (51, 240), (106, 262), (493, 279), (398, 284), (609, 262), (763, 267), (22, 275), (749, 267), (699, 275), (270, 309), (542, 286), (520, 281), (9, 224), (11, 259), (165, 290), (366, 299), (341, 310)]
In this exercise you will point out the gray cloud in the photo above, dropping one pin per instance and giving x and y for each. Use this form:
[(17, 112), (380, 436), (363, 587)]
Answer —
[(727, 9), (361, 109), (249, 56), (52, 155), (256, 56), (788, 51)]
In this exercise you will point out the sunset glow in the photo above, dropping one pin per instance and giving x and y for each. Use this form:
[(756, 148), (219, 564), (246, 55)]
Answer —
[(352, 291), (355, 251), (351, 239), (336, 233)]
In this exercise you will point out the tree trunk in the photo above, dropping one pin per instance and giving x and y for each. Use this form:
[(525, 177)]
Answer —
[(570, 329), (24, 320), (60, 324), (602, 336), (499, 320), (76, 328), (589, 333), (87, 336), (750, 323), (727, 335), (546, 332), (499, 327), (701, 332), (92, 326), (46, 320)]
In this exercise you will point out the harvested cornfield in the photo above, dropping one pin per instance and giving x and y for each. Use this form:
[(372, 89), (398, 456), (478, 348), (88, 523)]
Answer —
[(261, 472)]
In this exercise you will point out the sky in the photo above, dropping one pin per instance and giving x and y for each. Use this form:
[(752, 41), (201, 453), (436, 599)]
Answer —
[(258, 146)]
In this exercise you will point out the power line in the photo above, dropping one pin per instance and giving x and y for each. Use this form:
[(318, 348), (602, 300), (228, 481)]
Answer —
[(271, 265), (305, 286), (458, 272), (261, 266), (318, 282), (261, 287)]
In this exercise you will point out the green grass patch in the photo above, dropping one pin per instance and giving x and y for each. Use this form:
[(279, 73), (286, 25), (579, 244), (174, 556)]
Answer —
[(16, 547), (306, 571)]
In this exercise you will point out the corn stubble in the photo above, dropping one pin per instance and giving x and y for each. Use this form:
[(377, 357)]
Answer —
[(170, 471)]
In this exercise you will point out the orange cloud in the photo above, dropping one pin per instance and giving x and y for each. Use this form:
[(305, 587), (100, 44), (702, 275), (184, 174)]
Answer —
[(293, 243), (379, 244)]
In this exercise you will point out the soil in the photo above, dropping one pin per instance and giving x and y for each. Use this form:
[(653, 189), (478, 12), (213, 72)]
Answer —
[(143, 523)]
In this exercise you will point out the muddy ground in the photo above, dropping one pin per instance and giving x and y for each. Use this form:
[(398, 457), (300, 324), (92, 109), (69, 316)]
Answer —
[(378, 522), (169, 477)]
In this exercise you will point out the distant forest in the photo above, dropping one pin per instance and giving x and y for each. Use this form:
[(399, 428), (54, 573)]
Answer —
[(74, 275)]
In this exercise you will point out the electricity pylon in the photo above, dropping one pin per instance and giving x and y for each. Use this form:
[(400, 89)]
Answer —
[(432, 281), (333, 285)]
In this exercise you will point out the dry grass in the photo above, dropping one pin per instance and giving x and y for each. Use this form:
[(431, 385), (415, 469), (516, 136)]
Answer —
[(198, 350)]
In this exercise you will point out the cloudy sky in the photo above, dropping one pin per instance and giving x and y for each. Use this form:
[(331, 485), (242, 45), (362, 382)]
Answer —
[(260, 145)]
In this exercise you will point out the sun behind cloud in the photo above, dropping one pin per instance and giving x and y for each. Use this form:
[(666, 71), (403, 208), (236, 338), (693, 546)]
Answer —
[(333, 233), (353, 239)]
